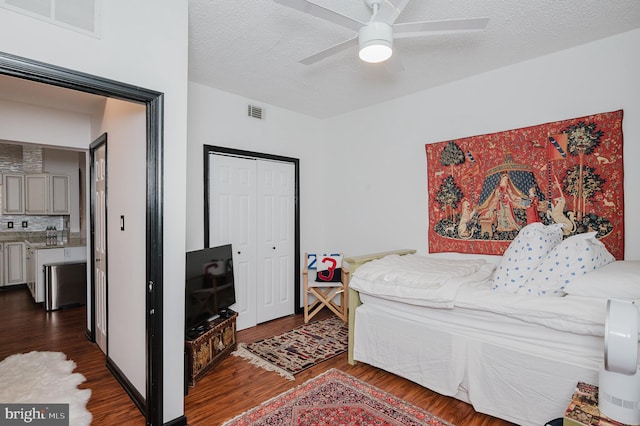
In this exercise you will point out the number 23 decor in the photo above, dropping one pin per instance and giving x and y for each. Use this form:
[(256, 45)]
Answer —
[(484, 189)]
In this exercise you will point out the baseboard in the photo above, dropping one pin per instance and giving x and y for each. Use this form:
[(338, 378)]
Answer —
[(179, 421), (133, 393), (13, 287), (89, 335)]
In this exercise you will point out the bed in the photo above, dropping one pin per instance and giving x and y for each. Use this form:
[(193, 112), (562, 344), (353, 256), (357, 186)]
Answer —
[(516, 355)]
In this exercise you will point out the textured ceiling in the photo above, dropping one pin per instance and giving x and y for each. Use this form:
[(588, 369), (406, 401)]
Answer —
[(252, 47)]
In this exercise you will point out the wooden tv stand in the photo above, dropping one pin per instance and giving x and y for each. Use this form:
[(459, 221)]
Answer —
[(211, 347)]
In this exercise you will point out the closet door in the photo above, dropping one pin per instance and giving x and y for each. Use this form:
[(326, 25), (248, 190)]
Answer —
[(251, 207), (275, 239), (232, 220)]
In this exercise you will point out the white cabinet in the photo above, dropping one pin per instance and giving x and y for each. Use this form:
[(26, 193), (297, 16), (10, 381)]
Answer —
[(59, 189), (1, 264), (45, 256), (36, 194), (29, 262), (14, 263), (13, 193)]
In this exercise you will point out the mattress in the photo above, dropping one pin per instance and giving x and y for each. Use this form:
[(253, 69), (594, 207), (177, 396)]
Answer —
[(498, 329), (518, 371)]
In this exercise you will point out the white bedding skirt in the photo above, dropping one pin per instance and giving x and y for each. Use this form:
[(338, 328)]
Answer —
[(478, 357)]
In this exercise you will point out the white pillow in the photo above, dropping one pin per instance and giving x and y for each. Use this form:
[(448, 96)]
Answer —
[(524, 254), (617, 280), (570, 259)]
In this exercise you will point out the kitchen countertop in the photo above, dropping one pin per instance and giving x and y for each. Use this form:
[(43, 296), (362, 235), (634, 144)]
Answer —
[(37, 239), (41, 244)]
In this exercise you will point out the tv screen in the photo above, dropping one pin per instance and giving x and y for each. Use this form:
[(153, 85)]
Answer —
[(209, 286)]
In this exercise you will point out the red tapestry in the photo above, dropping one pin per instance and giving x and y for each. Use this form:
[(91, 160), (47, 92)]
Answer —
[(484, 189)]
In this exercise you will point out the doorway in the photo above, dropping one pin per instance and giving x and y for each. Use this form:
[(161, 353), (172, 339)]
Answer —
[(39, 72)]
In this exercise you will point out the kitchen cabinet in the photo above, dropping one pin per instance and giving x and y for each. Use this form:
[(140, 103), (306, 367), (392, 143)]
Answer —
[(13, 193), (15, 268), (29, 259), (59, 194), (36, 194), (43, 255), (47, 194), (1, 264)]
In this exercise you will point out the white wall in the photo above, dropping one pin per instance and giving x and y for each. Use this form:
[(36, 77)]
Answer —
[(220, 119), (386, 186), (54, 127), (143, 43), (126, 185), (20, 122)]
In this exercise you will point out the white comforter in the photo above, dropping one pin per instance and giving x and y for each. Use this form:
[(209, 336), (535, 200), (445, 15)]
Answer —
[(447, 283), (419, 280)]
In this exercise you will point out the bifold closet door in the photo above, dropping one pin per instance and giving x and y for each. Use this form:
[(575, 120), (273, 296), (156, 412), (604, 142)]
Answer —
[(251, 208), (275, 239)]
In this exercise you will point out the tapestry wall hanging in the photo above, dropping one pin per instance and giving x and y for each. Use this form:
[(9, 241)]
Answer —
[(484, 189)]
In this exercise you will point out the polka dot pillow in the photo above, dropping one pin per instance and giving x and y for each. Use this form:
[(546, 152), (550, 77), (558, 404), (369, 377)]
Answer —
[(532, 244), (572, 258)]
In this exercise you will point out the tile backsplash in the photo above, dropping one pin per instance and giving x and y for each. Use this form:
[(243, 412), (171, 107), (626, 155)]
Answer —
[(21, 158), (24, 159), (34, 223), (10, 158)]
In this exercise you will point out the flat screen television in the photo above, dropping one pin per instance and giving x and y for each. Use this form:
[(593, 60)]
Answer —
[(209, 286)]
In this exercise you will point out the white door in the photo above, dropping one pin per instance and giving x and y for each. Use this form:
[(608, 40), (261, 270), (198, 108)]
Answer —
[(275, 239), (232, 220), (99, 248), (252, 207)]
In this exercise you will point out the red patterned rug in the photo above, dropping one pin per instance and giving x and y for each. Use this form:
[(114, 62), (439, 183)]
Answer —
[(298, 349), (336, 398)]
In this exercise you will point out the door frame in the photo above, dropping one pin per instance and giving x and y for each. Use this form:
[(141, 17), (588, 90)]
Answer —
[(40, 72), (210, 149)]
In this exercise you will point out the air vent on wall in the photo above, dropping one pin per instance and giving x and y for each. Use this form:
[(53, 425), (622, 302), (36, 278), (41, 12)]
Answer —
[(255, 112)]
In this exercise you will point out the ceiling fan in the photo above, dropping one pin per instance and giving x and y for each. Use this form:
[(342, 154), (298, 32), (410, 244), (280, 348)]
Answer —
[(375, 37)]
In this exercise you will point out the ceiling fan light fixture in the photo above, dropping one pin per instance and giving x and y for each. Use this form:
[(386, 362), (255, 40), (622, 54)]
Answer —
[(376, 42)]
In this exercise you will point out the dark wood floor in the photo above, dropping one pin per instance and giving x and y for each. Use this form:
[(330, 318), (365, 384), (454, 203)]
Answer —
[(233, 387)]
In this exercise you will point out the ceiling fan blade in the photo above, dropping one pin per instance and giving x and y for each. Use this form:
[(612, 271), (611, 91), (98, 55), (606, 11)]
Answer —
[(415, 29), (322, 13), (397, 9), (330, 51)]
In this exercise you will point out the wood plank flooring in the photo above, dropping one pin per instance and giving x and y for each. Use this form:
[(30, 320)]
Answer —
[(233, 387)]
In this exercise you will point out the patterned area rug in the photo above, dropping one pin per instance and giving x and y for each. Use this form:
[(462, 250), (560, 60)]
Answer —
[(336, 398), (296, 350)]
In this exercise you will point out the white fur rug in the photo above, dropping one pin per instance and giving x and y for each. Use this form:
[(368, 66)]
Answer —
[(45, 378)]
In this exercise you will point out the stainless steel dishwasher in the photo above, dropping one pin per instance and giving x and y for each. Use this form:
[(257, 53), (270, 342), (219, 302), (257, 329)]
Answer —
[(65, 285)]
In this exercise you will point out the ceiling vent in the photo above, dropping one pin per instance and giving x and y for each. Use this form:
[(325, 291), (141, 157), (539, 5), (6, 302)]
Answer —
[(78, 15), (255, 112)]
